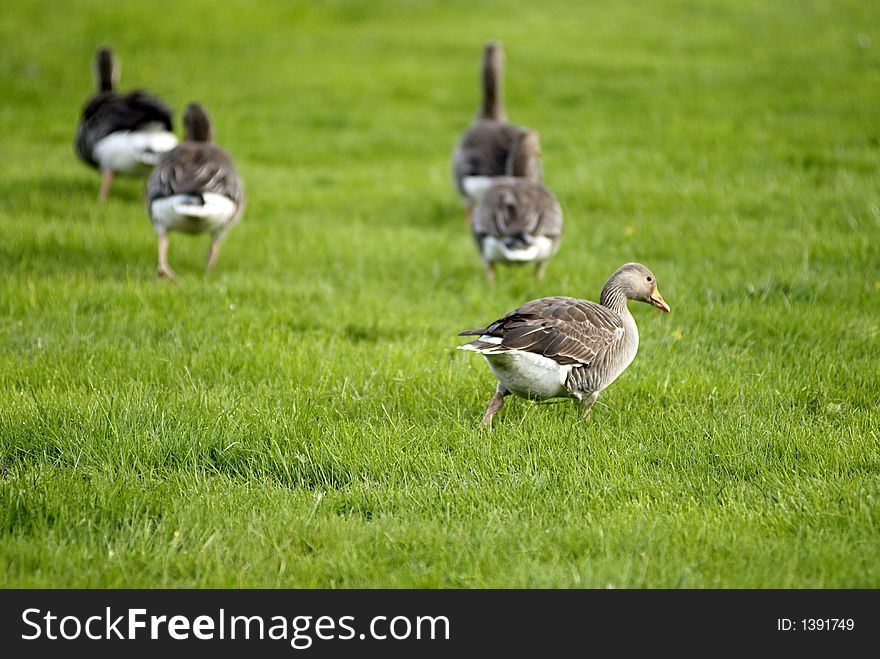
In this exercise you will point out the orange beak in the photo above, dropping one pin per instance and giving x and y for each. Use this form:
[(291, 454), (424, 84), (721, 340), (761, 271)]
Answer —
[(657, 300)]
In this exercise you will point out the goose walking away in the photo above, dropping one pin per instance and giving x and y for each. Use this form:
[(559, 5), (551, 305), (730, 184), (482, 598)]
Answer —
[(121, 133), (517, 219), (564, 347), (194, 189), (484, 147)]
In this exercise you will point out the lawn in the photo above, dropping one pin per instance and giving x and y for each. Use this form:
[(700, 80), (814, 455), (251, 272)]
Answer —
[(302, 418)]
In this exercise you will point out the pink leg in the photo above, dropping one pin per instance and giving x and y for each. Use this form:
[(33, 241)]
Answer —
[(494, 405), (490, 271), (588, 405), (539, 270), (212, 255), (164, 270), (106, 180)]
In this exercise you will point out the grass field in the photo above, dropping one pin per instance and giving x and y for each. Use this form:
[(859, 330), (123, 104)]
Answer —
[(302, 418)]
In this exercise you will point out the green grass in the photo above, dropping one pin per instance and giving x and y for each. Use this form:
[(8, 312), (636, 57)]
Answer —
[(302, 418)]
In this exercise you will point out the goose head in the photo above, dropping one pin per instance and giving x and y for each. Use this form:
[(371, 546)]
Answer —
[(633, 281), (493, 54), (106, 69), (525, 156), (197, 124)]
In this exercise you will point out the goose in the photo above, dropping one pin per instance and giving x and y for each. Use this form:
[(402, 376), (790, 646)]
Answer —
[(517, 219), (121, 133), (483, 150), (194, 189), (564, 347)]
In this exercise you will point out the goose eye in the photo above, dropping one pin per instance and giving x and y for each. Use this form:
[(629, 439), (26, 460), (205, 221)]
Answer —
[(650, 279)]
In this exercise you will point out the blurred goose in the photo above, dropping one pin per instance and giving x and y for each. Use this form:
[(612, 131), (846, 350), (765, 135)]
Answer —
[(517, 219), (484, 148), (194, 189), (121, 133), (564, 347)]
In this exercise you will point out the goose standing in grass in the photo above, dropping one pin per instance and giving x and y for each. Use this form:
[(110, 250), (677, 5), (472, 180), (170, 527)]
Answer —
[(563, 347), (121, 133), (484, 148), (517, 219), (194, 189)]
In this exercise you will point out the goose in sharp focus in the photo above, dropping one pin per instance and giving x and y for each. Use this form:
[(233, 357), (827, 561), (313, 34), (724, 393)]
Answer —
[(121, 133), (484, 148), (517, 219), (194, 189), (564, 347)]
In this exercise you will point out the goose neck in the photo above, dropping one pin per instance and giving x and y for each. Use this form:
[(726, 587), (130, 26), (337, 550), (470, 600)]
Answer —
[(614, 297)]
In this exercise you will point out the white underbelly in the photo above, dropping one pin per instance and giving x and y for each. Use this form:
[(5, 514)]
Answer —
[(132, 152), (185, 213), (495, 251), (529, 375)]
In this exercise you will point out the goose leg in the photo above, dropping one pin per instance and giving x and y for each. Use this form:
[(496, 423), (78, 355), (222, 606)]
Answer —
[(539, 270), (588, 404), (106, 180), (469, 215), (495, 404), (164, 270), (490, 271), (213, 252)]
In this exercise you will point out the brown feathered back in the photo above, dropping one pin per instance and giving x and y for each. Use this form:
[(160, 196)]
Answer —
[(195, 168), (565, 329), (516, 208), (484, 148)]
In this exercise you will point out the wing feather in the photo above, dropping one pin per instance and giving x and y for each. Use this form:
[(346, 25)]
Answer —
[(516, 207), (567, 330), (195, 168)]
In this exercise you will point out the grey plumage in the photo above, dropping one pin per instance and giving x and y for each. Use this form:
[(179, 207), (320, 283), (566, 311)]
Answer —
[(514, 210), (564, 329), (484, 148), (587, 345), (108, 112), (196, 166), (517, 219), (194, 188)]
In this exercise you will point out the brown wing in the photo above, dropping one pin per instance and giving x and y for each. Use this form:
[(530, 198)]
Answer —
[(565, 329), (517, 208), (483, 150), (195, 168)]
